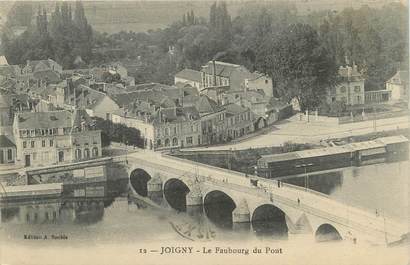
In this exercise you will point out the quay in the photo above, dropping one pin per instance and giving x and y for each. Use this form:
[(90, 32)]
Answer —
[(32, 192)]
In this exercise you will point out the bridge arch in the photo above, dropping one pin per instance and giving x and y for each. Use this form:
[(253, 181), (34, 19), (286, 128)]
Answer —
[(175, 191), (218, 207), (269, 220), (327, 232), (139, 179)]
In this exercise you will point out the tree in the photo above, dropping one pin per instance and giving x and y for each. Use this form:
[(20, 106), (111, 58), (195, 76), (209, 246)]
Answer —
[(300, 67)]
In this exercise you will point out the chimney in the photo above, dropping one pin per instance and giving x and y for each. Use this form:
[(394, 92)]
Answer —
[(354, 67), (214, 72)]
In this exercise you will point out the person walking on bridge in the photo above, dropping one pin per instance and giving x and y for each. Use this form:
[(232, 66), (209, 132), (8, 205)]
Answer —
[(298, 201)]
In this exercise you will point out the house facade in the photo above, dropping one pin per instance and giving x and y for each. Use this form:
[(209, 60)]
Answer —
[(350, 89), (398, 85), (56, 137), (163, 128), (239, 121), (236, 77)]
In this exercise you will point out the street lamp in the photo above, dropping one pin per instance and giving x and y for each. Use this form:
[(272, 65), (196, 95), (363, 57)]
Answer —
[(306, 177)]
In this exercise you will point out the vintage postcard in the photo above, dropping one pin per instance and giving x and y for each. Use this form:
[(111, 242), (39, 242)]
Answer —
[(204, 132)]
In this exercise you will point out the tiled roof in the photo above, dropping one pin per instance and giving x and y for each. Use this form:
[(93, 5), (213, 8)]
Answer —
[(222, 68), (401, 77), (6, 142), (234, 108), (236, 73), (91, 97), (48, 75), (207, 105), (189, 74), (52, 119)]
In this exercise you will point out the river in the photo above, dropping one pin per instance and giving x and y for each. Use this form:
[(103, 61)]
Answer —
[(118, 218)]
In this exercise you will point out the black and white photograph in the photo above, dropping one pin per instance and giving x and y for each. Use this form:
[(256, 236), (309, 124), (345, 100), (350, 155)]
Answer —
[(226, 132)]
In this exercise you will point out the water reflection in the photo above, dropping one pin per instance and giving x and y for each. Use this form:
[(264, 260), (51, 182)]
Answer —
[(115, 215), (324, 182), (269, 221)]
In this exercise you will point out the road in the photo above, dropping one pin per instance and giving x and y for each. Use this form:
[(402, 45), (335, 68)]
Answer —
[(303, 132)]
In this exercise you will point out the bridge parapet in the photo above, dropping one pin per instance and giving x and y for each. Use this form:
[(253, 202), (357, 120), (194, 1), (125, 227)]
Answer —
[(294, 201)]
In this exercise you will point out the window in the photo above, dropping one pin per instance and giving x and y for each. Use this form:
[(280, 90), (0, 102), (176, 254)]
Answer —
[(86, 153), (24, 144), (43, 143), (189, 140), (32, 144), (95, 151), (175, 130), (342, 89), (51, 143), (167, 142), (78, 154), (174, 142), (357, 89), (266, 81), (159, 142), (9, 154)]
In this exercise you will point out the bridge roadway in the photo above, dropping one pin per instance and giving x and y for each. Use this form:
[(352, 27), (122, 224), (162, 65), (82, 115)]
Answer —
[(352, 220)]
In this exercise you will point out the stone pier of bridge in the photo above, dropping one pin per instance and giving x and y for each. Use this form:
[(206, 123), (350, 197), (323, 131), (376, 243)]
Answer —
[(249, 201)]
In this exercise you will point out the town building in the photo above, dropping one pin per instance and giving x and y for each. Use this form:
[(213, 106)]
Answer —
[(265, 111), (34, 66), (213, 122), (237, 77), (49, 138), (7, 146), (350, 89), (162, 128), (7, 151), (398, 85), (239, 121), (189, 76)]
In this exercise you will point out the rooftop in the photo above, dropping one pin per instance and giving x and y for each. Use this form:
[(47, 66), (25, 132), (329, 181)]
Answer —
[(189, 74), (234, 108), (52, 119), (399, 78), (393, 139), (6, 142)]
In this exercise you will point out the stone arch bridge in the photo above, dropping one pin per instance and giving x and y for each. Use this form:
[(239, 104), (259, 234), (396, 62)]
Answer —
[(242, 199)]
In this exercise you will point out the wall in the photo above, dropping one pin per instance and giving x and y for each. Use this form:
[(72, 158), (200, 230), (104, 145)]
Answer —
[(107, 105), (86, 140), (264, 83), (186, 81)]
